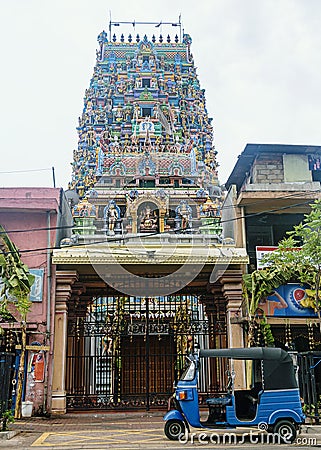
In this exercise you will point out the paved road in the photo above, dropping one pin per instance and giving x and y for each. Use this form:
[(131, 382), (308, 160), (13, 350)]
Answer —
[(128, 431)]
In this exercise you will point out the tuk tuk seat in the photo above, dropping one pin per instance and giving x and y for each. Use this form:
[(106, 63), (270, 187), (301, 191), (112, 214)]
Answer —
[(219, 401)]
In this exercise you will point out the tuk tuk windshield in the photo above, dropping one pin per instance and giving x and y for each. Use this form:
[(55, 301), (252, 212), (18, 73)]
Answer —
[(190, 371)]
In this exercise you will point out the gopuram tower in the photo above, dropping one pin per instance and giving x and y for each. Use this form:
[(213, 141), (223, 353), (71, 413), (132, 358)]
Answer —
[(145, 160), (146, 272)]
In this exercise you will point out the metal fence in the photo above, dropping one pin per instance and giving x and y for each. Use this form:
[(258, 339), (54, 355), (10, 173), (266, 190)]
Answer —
[(6, 374), (309, 375), (126, 352)]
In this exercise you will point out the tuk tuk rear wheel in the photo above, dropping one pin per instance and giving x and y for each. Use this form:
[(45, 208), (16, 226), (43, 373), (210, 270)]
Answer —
[(174, 429), (286, 430)]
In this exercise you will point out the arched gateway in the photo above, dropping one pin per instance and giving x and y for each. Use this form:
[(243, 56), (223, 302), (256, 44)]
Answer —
[(146, 271), (114, 350)]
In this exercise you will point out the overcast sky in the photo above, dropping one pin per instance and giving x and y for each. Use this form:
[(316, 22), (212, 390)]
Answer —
[(259, 62)]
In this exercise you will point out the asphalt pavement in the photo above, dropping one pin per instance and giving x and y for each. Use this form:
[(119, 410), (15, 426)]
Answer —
[(131, 430)]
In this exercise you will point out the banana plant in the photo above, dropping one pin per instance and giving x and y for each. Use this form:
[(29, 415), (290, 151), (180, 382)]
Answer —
[(16, 283), (297, 258)]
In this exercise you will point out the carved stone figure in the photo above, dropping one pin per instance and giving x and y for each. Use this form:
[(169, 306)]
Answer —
[(84, 209), (111, 214), (148, 220), (183, 215)]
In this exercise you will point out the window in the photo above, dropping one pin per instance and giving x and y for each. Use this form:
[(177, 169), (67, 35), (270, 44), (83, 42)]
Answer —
[(315, 167), (190, 371), (146, 112), (316, 175), (146, 83), (146, 183), (296, 168), (164, 181)]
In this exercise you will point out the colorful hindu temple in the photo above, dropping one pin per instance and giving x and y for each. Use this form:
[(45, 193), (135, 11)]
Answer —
[(145, 156), (136, 280)]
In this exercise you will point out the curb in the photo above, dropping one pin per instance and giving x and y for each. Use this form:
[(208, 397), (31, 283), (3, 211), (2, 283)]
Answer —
[(5, 435)]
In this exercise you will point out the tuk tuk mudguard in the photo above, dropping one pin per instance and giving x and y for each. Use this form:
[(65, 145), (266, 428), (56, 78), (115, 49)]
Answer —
[(176, 415), (289, 406), (173, 414), (285, 414)]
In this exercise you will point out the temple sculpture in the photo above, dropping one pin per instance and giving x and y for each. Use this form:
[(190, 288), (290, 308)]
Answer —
[(145, 158)]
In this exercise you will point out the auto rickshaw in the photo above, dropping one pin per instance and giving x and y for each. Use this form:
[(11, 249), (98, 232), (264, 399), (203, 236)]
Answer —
[(272, 403)]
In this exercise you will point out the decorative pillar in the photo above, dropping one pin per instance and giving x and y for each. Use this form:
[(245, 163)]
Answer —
[(64, 282), (134, 222), (161, 220), (231, 283)]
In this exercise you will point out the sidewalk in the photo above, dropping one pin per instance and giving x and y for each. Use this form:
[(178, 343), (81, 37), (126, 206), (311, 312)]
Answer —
[(81, 421), (119, 430), (101, 420)]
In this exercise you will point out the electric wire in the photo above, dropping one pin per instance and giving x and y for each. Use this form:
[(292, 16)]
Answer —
[(25, 171), (222, 209), (124, 238)]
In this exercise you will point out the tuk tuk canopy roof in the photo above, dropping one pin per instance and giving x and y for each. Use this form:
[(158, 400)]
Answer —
[(263, 353), (278, 370)]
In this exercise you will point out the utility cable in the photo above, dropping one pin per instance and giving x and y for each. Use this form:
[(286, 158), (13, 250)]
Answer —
[(25, 171), (173, 231), (222, 209)]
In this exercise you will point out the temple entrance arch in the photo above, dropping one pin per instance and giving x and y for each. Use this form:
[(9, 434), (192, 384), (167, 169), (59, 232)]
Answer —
[(113, 350)]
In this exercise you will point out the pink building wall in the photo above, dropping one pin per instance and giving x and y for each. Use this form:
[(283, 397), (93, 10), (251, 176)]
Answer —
[(26, 214)]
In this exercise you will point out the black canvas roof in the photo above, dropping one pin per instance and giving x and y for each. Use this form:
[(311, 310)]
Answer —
[(277, 363)]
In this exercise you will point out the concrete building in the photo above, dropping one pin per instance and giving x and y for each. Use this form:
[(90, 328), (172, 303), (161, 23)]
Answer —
[(269, 191), (36, 220)]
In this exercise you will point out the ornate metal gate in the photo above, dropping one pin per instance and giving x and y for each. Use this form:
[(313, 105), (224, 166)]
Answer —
[(128, 351)]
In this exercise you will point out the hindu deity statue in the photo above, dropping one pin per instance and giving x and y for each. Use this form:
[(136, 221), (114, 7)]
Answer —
[(84, 209), (209, 208), (183, 215), (148, 220), (111, 216)]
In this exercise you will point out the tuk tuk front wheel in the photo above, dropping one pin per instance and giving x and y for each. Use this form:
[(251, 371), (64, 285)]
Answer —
[(286, 430), (174, 429)]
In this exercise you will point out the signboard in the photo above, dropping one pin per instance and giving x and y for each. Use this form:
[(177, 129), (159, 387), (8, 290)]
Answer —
[(260, 252), (36, 292), (264, 250), (285, 301)]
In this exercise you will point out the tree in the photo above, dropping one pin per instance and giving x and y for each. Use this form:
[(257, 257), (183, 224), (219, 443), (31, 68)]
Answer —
[(297, 258), (16, 283)]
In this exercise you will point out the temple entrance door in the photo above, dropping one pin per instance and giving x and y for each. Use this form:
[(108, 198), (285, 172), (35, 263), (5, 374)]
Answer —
[(126, 352), (148, 218), (148, 368)]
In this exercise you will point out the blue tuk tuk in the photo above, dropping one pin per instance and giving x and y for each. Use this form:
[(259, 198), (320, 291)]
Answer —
[(273, 403)]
